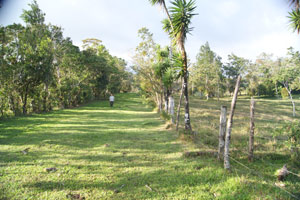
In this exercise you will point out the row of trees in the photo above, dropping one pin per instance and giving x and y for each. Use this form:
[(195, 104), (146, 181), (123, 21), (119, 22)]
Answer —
[(155, 71), (266, 76), (158, 69), (41, 69)]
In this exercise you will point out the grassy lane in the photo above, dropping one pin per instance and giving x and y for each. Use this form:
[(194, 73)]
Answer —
[(100, 152)]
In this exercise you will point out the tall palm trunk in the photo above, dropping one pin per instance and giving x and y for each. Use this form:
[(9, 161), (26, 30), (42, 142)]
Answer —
[(167, 12), (187, 119), (179, 106)]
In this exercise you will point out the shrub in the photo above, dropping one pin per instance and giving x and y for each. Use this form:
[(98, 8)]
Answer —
[(284, 93), (292, 131), (165, 116)]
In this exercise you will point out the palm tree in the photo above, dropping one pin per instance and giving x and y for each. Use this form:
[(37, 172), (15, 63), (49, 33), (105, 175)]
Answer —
[(162, 3), (294, 15), (178, 28), (295, 3)]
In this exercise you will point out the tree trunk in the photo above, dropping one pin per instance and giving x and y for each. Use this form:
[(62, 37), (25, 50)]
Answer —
[(178, 108), (206, 87), (167, 12), (229, 124), (158, 101), (25, 103), (45, 100), (218, 91), (251, 136), (2, 107), (222, 132), (167, 102), (161, 102), (192, 88), (276, 88), (12, 104), (293, 102), (171, 108), (187, 119)]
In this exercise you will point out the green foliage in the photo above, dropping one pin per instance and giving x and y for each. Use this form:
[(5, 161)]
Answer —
[(206, 73), (284, 93), (153, 2), (292, 131), (181, 15), (294, 17), (165, 116), (41, 70), (147, 72), (34, 16)]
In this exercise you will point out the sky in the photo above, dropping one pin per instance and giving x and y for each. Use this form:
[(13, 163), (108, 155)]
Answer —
[(245, 28)]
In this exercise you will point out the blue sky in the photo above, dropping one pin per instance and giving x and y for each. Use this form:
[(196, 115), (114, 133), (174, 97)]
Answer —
[(246, 28)]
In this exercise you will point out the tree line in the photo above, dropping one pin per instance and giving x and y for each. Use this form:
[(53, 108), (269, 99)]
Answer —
[(40, 69), (160, 69), (266, 76), (209, 77), (158, 72)]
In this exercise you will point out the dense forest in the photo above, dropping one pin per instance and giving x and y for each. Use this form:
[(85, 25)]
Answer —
[(40, 69)]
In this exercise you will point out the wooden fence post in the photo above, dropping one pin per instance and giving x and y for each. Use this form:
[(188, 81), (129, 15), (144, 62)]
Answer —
[(222, 132), (229, 124), (251, 136)]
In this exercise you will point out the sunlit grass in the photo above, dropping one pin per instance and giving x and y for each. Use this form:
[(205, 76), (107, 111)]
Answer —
[(125, 152), (270, 114)]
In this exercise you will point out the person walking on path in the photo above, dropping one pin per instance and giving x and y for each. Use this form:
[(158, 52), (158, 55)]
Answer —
[(111, 100)]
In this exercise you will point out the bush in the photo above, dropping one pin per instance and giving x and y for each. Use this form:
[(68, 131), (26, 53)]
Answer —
[(292, 131), (261, 90), (284, 93), (165, 116)]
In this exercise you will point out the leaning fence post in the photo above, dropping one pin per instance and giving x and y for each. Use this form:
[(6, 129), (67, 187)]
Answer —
[(229, 124), (251, 136), (222, 131)]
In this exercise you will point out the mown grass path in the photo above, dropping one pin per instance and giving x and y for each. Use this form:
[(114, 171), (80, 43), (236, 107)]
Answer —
[(100, 152)]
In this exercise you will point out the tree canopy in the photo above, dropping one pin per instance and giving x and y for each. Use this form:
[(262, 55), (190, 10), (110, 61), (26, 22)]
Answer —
[(41, 69)]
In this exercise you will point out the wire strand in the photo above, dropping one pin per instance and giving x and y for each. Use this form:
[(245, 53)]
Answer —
[(259, 173)]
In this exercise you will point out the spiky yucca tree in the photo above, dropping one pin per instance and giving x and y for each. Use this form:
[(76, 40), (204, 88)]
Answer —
[(162, 3), (295, 3), (294, 15), (178, 26)]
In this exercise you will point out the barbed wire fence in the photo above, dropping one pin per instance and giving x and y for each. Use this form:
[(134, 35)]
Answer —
[(256, 171)]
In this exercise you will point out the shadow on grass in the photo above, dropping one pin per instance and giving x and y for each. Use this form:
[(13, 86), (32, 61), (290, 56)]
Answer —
[(98, 148)]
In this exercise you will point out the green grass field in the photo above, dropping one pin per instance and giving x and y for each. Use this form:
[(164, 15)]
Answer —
[(125, 152)]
